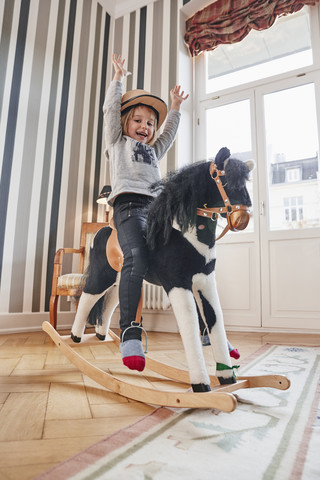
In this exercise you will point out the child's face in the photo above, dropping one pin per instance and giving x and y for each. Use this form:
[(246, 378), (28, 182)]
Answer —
[(141, 125)]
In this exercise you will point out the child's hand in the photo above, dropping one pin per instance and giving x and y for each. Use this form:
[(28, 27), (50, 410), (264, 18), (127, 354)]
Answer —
[(177, 97), (119, 71)]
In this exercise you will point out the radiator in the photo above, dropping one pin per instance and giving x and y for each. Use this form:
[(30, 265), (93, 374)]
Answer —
[(155, 297)]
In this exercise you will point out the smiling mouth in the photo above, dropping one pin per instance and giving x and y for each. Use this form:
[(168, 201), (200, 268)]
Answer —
[(143, 137)]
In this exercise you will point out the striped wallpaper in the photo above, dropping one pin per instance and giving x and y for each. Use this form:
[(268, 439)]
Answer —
[(55, 65)]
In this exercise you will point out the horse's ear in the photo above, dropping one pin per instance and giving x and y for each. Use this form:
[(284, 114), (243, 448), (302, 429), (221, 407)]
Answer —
[(221, 156), (251, 164)]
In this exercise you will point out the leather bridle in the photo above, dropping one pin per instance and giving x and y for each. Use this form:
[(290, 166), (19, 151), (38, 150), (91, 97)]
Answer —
[(238, 216)]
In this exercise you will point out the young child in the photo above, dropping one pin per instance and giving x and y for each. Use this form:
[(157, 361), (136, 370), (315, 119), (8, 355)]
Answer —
[(131, 121)]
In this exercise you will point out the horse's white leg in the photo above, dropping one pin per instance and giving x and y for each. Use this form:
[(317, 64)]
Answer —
[(205, 340), (206, 286), (86, 302), (111, 301), (184, 308)]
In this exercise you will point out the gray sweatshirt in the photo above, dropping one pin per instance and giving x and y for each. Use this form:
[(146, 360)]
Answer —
[(133, 165)]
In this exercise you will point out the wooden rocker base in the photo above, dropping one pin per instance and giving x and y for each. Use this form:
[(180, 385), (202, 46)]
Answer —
[(220, 397)]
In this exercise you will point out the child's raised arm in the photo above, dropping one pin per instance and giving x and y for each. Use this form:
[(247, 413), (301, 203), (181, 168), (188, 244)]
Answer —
[(177, 97), (119, 71)]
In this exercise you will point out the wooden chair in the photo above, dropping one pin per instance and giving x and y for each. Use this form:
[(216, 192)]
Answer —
[(71, 284)]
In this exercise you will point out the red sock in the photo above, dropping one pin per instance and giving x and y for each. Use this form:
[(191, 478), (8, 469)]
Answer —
[(132, 354), (134, 362), (234, 354)]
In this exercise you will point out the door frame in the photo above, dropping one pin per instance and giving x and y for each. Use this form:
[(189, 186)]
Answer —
[(271, 318), (261, 314)]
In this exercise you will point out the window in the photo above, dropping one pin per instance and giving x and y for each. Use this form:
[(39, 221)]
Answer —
[(293, 174), (283, 47), (293, 209), (291, 139), (229, 125), (274, 121)]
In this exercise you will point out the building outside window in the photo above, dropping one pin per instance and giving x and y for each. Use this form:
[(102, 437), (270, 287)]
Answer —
[(293, 209)]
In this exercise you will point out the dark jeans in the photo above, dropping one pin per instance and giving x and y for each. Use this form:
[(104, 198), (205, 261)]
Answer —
[(130, 219)]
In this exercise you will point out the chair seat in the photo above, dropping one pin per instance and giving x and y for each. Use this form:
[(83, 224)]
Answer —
[(70, 280), (72, 284)]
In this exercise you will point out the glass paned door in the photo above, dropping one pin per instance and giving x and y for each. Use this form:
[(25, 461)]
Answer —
[(275, 263), (289, 188), (230, 126), (292, 158)]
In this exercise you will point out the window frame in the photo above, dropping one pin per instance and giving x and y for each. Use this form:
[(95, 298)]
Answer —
[(200, 70)]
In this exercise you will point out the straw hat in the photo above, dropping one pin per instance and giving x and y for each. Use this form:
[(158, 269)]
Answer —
[(134, 98)]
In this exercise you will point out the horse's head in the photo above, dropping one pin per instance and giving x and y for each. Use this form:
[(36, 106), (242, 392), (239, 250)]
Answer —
[(233, 200), (236, 174), (192, 189)]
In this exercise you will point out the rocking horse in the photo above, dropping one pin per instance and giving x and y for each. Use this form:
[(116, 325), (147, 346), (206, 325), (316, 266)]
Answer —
[(181, 236)]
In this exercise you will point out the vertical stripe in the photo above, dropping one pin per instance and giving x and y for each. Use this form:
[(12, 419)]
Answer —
[(100, 118), (165, 59), (149, 47), (87, 201), (4, 45), (157, 48), (125, 48), (59, 152), (47, 15), (131, 49), (166, 52), (12, 123), (173, 44), (142, 47), (76, 129), (85, 135), (27, 168), (118, 29), (171, 156), (48, 147), (136, 50)]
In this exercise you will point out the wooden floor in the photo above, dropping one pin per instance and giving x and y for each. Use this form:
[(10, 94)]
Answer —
[(49, 411)]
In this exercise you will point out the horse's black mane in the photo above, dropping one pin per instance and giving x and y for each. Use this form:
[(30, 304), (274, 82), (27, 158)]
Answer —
[(183, 191)]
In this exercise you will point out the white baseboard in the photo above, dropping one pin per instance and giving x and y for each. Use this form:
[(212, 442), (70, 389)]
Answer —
[(31, 322), (153, 321)]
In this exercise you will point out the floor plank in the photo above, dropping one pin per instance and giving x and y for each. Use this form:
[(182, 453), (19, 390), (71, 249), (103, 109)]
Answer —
[(50, 411), (22, 416)]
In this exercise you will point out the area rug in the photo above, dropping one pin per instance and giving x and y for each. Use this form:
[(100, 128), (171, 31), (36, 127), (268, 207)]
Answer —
[(272, 434)]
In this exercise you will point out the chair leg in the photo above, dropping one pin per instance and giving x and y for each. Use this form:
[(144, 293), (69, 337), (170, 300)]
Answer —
[(53, 310)]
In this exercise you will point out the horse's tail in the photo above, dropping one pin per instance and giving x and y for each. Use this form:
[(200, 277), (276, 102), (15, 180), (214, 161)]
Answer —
[(95, 315)]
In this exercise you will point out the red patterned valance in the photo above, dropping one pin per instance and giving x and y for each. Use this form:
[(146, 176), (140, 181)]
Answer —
[(229, 21)]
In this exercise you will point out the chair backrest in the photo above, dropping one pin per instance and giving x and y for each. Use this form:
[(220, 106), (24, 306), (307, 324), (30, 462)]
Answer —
[(88, 232)]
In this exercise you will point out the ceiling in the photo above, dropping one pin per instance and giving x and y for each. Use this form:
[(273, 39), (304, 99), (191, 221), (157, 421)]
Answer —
[(118, 8)]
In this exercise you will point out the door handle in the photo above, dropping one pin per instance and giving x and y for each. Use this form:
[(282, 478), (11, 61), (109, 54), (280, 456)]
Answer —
[(261, 208)]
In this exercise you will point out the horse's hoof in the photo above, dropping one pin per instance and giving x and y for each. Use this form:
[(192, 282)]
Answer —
[(75, 338), (227, 381), (100, 337), (200, 387)]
